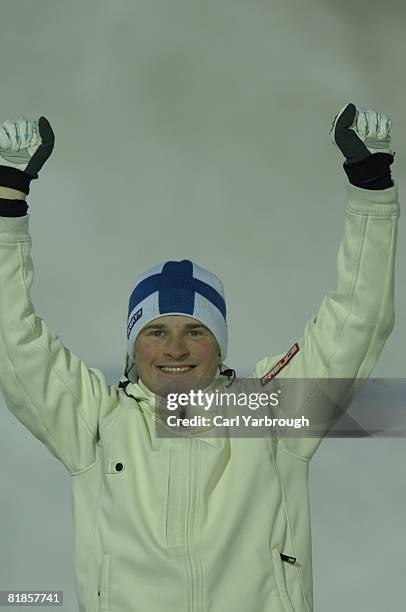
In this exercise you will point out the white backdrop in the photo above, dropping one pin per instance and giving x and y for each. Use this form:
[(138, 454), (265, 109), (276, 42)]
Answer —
[(201, 130)]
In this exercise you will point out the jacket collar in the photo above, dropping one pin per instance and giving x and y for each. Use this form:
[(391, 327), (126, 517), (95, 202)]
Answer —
[(148, 401)]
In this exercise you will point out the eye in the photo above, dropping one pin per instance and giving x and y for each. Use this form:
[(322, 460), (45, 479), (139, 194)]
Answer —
[(157, 333), (195, 332)]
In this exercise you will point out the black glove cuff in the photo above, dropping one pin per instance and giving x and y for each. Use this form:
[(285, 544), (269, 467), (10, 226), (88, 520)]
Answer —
[(370, 169), (15, 179), (13, 208)]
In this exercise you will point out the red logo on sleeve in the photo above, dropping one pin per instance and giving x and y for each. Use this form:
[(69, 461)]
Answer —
[(280, 365)]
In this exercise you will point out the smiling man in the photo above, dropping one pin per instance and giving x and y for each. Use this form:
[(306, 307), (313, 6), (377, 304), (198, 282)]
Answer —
[(191, 523), (176, 324), (175, 346)]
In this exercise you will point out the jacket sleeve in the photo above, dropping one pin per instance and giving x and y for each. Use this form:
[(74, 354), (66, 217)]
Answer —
[(344, 339), (47, 388)]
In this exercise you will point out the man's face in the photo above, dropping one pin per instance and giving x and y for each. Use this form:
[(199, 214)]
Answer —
[(175, 348)]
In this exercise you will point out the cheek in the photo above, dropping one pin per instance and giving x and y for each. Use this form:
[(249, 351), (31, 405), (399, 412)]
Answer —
[(208, 353), (146, 353)]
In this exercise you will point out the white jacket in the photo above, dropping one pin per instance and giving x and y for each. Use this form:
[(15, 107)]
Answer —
[(191, 524)]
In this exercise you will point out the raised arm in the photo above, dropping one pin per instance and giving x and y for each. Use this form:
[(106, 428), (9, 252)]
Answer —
[(346, 336), (48, 388)]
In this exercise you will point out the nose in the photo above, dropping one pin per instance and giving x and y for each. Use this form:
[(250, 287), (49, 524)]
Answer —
[(176, 347)]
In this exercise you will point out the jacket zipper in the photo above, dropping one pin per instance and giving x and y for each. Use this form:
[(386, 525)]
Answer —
[(288, 559), (193, 551)]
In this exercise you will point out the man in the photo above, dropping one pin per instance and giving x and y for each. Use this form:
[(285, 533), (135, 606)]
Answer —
[(190, 523)]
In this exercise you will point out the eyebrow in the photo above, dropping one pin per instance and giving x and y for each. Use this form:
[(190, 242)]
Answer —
[(163, 326)]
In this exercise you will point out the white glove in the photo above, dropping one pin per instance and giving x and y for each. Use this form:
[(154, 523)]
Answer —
[(357, 132), (374, 129), (26, 144)]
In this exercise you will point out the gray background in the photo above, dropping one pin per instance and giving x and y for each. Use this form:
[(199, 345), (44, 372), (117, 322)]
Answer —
[(196, 129)]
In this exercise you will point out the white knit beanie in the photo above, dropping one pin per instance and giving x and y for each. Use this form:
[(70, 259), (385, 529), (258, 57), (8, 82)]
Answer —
[(177, 288)]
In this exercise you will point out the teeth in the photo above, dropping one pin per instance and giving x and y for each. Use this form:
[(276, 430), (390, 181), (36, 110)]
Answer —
[(176, 369)]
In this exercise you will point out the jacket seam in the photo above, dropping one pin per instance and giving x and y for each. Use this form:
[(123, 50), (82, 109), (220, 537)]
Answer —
[(84, 470), (291, 532), (111, 424), (373, 215), (341, 327), (31, 403), (354, 284), (384, 294), (293, 455), (91, 547), (17, 378), (36, 343), (61, 379)]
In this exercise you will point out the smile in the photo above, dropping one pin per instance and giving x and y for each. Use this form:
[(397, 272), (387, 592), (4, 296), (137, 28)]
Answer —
[(176, 369)]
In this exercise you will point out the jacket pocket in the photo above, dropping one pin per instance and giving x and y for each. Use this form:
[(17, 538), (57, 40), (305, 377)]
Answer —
[(280, 580), (104, 580)]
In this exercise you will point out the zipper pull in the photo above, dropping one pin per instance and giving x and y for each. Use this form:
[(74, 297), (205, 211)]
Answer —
[(291, 560)]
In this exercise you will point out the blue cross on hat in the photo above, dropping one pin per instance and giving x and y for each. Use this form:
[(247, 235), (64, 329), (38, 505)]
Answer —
[(178, 288)]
